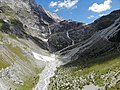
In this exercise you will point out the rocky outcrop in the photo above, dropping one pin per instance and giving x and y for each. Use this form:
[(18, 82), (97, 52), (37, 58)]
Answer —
[(104, 21), (14, 27), (115, 37), (66, 26), (65, 33), (58, 41), (100, 42), (79, 32), (33, 16)]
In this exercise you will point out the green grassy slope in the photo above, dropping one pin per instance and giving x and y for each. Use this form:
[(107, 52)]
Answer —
[(102, 71)]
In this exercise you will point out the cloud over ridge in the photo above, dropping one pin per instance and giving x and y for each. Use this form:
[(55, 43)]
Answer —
[(101, 7)]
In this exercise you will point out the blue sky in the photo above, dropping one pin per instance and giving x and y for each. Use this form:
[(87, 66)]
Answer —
[(80, 10)]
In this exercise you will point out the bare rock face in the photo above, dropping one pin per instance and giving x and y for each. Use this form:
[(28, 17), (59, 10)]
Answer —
[(33, 16), (52, 32), (26, 19), (37, 22), (104, 21), (66, 26), (63, 34), (100, 42), (79, 32), (116, 36), (58, 41)]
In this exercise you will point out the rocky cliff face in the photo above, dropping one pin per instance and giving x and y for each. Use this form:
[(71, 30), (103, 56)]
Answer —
[(33, 16), (78, 32), (23, 30), (40, 23), (99, 37)]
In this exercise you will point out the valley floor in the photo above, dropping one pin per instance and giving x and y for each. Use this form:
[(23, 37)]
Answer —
[(100, 73)]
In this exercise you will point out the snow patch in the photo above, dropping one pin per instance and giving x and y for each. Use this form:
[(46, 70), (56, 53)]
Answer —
[(52, 63), (43, 57)]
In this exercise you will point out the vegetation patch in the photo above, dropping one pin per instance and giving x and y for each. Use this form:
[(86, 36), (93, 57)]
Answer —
[(17, 51), (1, 36), (12, 36), (29, 83), (3, 63)]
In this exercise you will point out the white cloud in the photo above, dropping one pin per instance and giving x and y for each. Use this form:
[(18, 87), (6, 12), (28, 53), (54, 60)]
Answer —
[(91, 16), (56, 10), (64, 4), (101, 7), (100, 15), (53, 4)]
